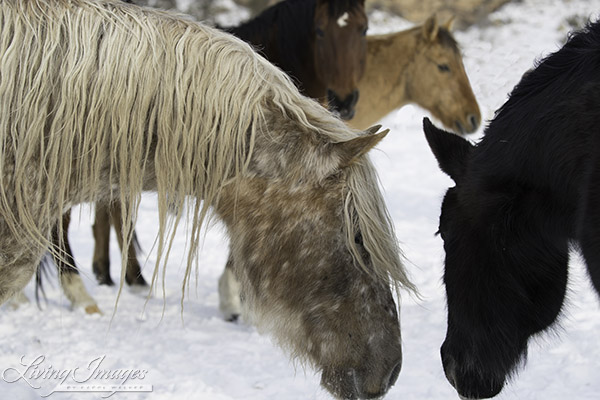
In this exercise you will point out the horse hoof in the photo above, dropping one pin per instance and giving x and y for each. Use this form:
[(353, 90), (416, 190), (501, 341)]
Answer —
[(142, 290), (105, 280), (101, 271), (16, 301), (232, 318), (137, 281), (93, 309)]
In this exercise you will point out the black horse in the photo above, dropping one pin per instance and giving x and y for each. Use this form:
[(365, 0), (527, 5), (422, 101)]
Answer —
[(527, 192)]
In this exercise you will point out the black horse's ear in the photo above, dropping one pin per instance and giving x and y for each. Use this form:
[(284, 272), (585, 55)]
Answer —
[(450, 150)]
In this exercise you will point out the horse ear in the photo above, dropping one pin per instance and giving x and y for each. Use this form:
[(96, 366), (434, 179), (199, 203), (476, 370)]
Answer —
[(350, 151), (449, 25), (450, 150), (430, 28)]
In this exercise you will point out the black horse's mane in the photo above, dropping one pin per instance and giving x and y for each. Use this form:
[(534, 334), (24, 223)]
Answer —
[(291, 22), (578, 59)]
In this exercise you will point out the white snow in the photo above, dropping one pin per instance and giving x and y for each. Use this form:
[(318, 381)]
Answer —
[(204, 357)]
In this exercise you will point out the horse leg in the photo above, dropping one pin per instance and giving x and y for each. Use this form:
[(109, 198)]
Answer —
[(15, 272), (70, 280), (133, 273), (18, 300), (229, 293), (101, 230)]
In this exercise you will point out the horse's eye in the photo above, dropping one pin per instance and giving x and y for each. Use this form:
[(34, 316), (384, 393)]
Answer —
[(364, 31), (444, 67), (320, 33), (358, 239)]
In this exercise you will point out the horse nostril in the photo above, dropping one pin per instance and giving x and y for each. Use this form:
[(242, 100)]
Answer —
[(331, 96), (394, 375), (373, 384), (344, 108), (459, 127), (474, 121), (346, 113)]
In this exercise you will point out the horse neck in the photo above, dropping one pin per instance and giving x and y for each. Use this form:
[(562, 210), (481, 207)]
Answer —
[(383, 87)]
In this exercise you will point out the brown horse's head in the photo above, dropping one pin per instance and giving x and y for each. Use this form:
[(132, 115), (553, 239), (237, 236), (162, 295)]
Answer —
[(340, 49), (440, 83)]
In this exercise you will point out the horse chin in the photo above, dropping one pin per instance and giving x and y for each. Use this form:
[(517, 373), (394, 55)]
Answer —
[(453, 125), (467, 389), (347, 114), (469, 384), (459, 128), (341, 384), (460, 396), (344, 109), (470, 126), (349, 383), (344, 115)]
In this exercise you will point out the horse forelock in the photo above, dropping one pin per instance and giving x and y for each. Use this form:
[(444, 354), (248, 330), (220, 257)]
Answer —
[(447, 39), (365, 213), (339, 7)]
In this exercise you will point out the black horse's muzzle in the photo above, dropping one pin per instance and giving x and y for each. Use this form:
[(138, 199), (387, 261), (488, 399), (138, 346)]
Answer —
[(469, 383)]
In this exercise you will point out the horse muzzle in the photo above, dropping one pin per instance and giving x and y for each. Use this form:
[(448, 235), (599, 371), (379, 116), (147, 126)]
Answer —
[(360, 384), (345, 108), (469, 125), (468, 383)]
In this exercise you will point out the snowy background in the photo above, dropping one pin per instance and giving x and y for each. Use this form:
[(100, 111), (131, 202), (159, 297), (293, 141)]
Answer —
[(204, 357)]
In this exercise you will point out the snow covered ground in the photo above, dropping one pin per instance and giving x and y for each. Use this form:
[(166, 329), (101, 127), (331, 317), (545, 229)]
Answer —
[(204, 357)]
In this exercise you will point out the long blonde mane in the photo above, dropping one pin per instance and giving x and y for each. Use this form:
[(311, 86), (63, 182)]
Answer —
[(98, 91)]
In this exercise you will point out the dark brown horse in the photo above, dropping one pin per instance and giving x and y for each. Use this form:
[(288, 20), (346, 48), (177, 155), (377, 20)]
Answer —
[(321, 44)]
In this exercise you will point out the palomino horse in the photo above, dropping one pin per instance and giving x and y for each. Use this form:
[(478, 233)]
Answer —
[(102, 100), (522, 195), (320, 43), (422, 65)]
